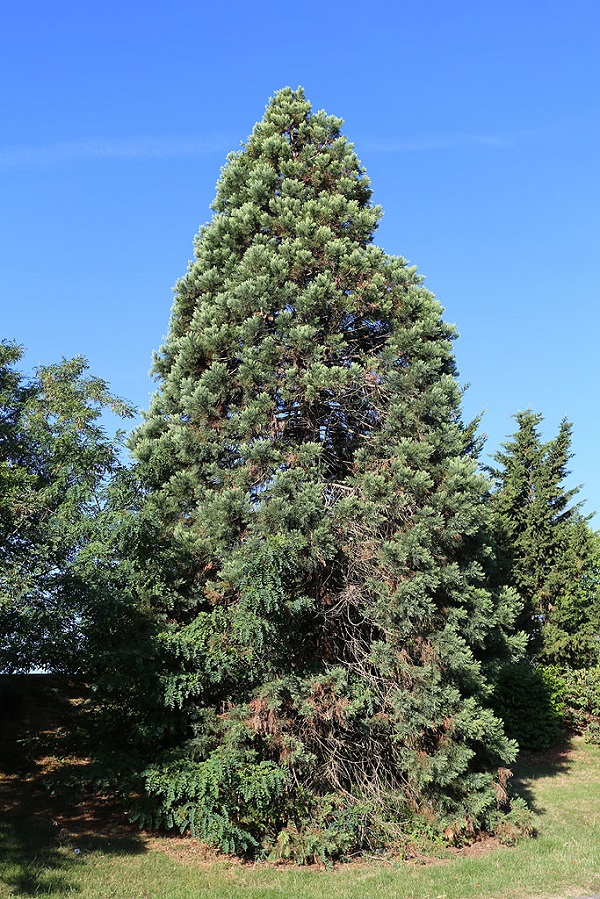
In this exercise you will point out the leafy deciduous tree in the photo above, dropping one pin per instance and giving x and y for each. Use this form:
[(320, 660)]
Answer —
[(55, 459)]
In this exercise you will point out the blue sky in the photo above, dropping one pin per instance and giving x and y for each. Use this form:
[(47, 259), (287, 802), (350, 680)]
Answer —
[(478, 123)]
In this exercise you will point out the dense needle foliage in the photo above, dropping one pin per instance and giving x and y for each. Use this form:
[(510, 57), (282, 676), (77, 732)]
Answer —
[(312, 548), (546, 549)]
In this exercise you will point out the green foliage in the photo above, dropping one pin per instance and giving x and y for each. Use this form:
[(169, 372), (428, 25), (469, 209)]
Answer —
[(576, 694), (527, 699), (516, 824), (306, 847), (539, 703), (310, 550), (592, 733), (227, 802), (546, 551), (572, 630), (55, 461)]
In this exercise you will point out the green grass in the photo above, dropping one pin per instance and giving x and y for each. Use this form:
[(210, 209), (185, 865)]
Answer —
[(38, 857)]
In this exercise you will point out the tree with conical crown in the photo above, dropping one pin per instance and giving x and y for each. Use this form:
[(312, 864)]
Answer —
[(546, 549), (315, 527)]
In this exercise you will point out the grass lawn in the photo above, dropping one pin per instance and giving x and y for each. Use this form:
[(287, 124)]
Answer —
[(50, 849)]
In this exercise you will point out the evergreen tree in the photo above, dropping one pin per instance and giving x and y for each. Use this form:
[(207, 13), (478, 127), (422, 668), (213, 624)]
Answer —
[(312, 546), (571, 633), (544, 545)]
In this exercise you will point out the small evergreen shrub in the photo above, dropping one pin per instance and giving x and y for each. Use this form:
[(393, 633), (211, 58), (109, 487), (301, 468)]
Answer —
[(530, 701), (516, 824)]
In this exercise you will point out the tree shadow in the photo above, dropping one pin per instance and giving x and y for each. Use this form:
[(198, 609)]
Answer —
[(532, 766), (40, 857), (46, 837)]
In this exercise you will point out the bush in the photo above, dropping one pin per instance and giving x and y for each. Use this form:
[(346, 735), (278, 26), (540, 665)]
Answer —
[(576, 696), (515, 825), (229, 803), (529, 699), (537, 703)]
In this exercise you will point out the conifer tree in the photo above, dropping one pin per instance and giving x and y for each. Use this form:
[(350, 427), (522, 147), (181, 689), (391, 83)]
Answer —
[(571, 633), (544, 545), (312, 546)]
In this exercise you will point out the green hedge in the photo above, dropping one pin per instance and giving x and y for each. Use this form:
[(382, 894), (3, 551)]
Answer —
[(538, 704), (576, 695)]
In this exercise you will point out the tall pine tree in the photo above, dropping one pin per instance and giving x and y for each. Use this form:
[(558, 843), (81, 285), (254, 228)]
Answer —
[(312, 547)]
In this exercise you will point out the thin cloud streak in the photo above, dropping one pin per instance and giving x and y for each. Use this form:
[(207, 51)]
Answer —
[(444, 142), (24, 156), (107, 149)]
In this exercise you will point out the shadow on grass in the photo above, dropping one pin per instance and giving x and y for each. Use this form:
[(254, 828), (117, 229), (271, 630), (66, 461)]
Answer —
[(39, 858), (46, 840), (531, 766)]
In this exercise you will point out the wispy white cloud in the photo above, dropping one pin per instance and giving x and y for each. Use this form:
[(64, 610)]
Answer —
[(443, 142), (19, 156), (24, 155)]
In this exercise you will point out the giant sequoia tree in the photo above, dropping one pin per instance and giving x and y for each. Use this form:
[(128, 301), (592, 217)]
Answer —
[(312, 544)]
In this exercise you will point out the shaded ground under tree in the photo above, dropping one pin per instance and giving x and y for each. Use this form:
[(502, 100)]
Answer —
[(46, 835), (41, 831)]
